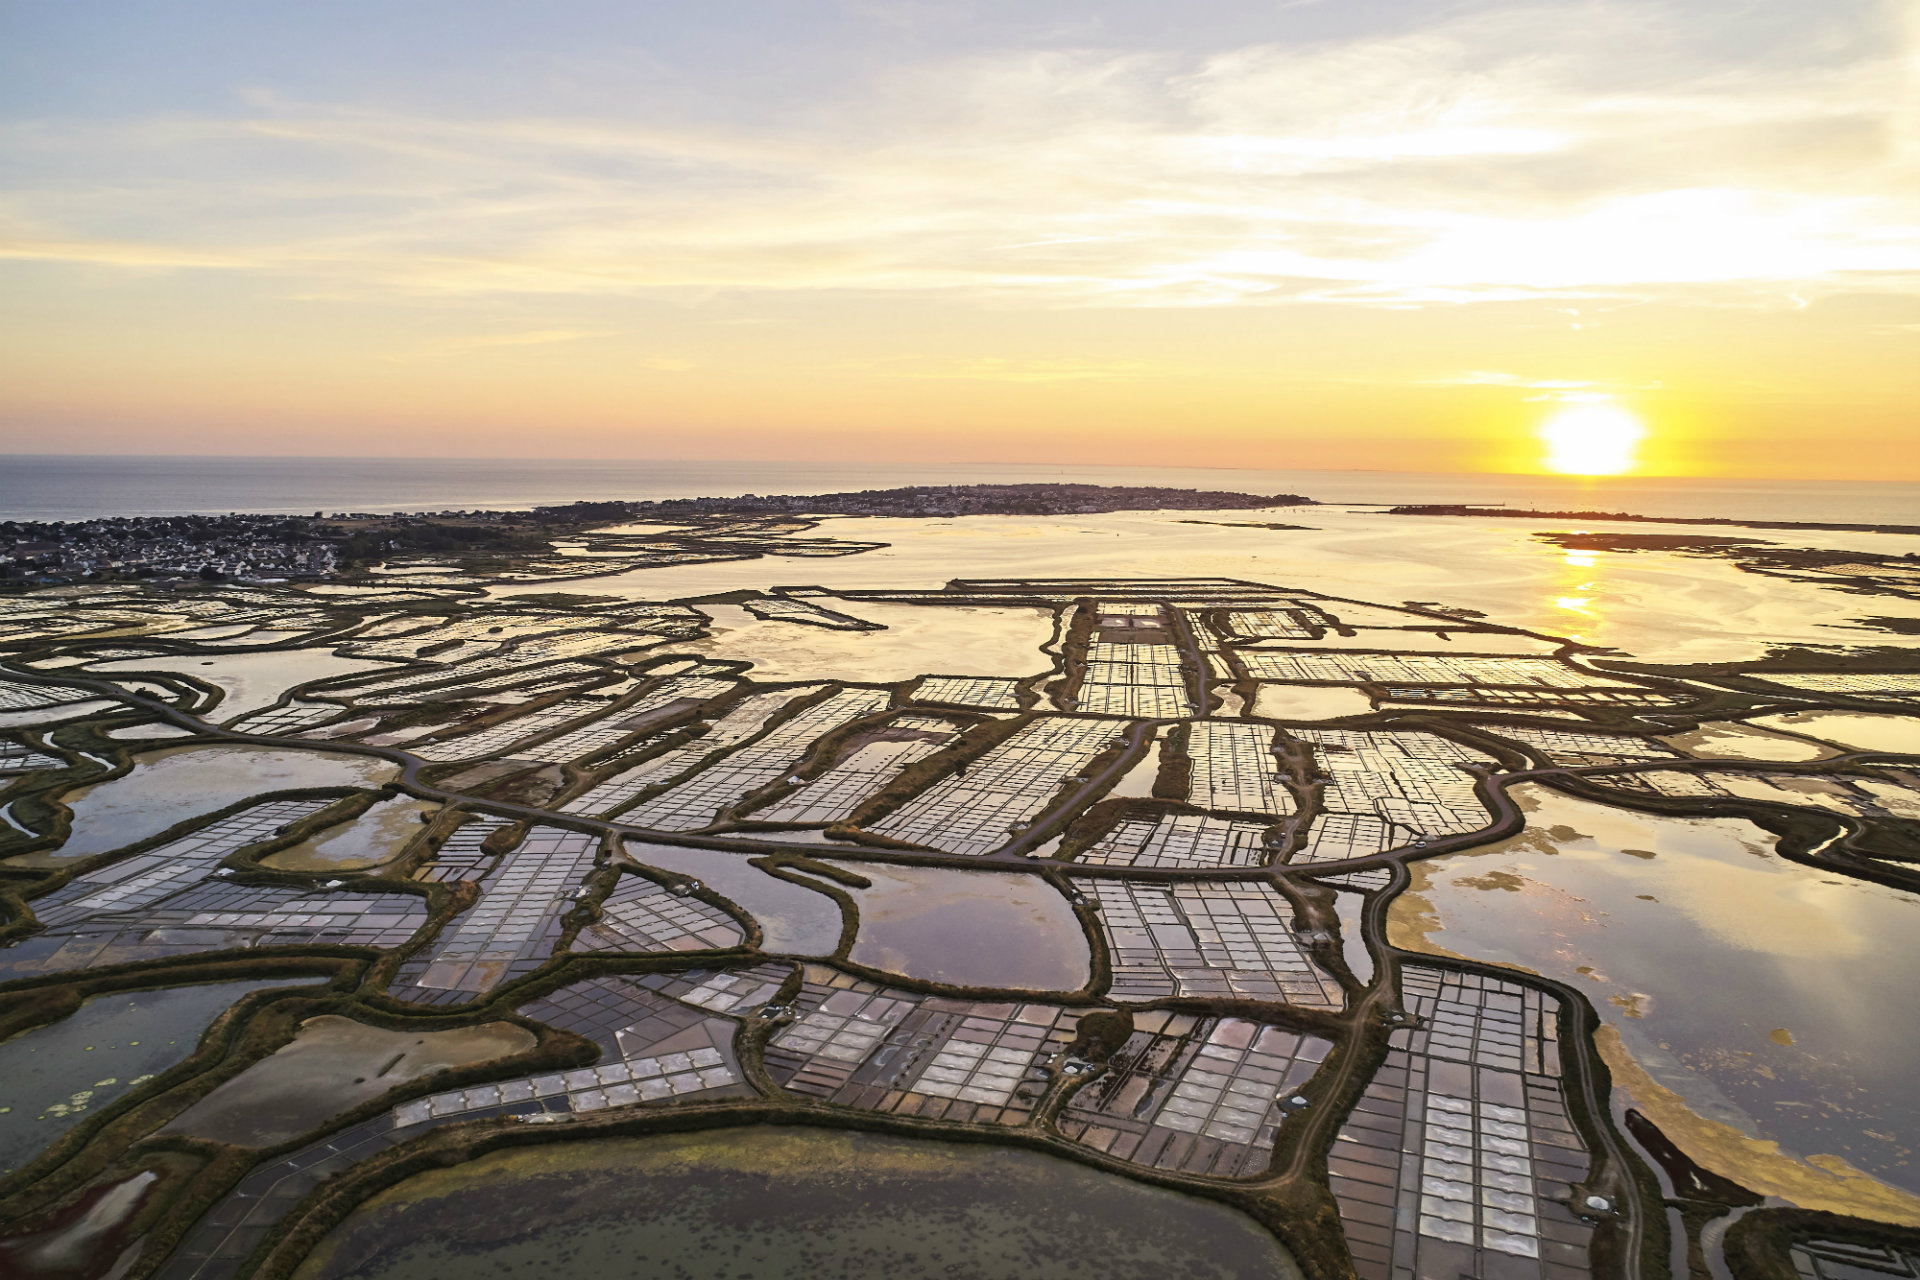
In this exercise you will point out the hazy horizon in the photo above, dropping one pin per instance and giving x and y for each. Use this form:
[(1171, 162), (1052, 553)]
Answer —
[(1299, 235)]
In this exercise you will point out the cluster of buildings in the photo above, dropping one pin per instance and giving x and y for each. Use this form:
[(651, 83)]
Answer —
[(231, 546)]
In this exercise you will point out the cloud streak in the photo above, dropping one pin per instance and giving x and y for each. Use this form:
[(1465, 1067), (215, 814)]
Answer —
[(1522, 152)]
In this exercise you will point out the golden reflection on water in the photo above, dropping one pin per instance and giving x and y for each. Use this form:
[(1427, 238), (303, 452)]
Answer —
[(1575, 587), (1700, 945)]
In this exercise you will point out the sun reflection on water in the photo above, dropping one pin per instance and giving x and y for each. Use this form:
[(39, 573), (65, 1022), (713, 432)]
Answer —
[(1574, 592)]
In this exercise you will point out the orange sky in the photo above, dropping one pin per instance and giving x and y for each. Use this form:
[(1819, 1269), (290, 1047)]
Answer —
[(1381, 237)]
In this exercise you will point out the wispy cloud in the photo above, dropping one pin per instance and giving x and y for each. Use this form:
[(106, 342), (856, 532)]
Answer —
[(461, 344), (534, 338), (1566, 390), (1495, 378), (1004, 369), (1578, 151)]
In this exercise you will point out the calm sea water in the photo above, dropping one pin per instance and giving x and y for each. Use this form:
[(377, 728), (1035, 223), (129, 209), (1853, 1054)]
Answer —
[(52, 487)]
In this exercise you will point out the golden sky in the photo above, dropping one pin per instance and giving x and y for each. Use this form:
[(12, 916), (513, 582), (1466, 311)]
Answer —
[(1290, 234)]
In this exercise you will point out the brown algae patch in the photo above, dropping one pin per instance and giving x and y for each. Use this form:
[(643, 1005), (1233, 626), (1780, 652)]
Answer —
[(1413, 917), (1502, 880), (332, 1064), (370, 840), (780, 1203), (1824, 1182)]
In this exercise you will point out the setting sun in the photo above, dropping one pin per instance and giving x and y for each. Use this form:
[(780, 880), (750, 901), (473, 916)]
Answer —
[(1591, 440)]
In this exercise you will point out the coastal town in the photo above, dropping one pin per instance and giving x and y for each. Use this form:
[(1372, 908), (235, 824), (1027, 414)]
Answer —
[(273, 549)]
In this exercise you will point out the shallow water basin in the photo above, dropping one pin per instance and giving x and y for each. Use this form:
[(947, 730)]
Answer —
[(780, 1203), (969, 928)]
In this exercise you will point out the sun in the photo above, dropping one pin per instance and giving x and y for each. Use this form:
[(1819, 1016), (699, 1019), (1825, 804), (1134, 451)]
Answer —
[(1591, 440)]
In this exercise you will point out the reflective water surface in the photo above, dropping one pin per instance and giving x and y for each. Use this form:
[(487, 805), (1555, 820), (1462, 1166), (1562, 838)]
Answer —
[(176, 783), (797, 921), (1770, 997), (1735, 740), (247, 681), (1309, 702), (58, 1075), (1659, 606), (950, 640), (969, 928), (1854, 730), (375, 837)]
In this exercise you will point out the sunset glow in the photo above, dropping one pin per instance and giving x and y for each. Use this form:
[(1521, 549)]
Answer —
[(1297, 235), (1592, 440)]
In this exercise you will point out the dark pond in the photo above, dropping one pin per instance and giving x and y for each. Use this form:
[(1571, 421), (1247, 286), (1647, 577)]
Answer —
[(780, 1203), (57, 1075)]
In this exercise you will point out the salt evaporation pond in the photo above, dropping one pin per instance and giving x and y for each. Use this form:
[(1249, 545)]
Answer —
[(375, 837), (795, 921), (788, 1203), (57, 1075), (1737, 740), (332, 1065), (1854, 730), (1309, 702), (174, 784), (247, 681), (952, 640), (1766, 1001), (968, 928)]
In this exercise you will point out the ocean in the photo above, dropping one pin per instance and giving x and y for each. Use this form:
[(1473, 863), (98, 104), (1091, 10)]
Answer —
[(63, 487)]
